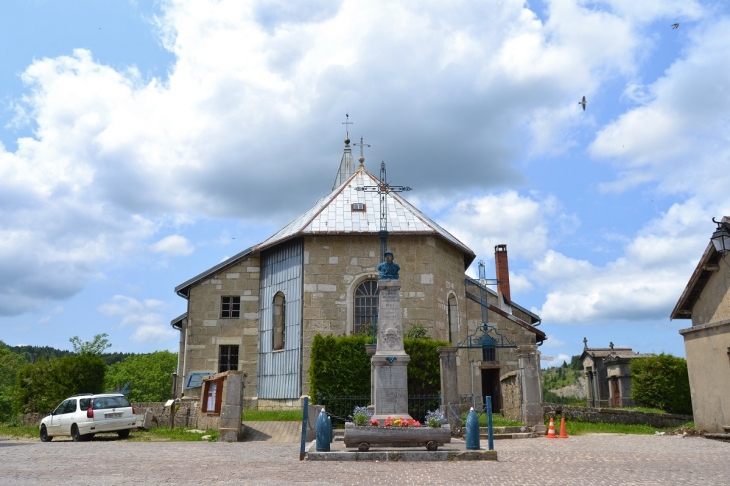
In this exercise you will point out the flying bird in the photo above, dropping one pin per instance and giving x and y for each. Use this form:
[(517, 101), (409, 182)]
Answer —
[(583, 102), (674, 26)]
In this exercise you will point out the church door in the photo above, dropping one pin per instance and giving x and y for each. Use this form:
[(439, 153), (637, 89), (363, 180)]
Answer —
[(491, 387), (616, 393)]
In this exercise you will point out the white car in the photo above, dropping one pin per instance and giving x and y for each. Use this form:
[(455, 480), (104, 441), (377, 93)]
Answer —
[(82, 416)]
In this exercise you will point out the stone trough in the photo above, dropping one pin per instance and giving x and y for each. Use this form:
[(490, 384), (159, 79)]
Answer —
[(363, 436)]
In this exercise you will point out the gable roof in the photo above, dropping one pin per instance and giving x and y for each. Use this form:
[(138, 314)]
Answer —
[(333, 215), (707, 265)]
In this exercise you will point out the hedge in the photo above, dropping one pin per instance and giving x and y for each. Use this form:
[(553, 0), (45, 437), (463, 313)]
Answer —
[(43, 385), (340, 366), (662, 382)]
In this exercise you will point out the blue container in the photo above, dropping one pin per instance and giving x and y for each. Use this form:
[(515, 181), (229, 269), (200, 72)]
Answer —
[(472, 431), (324, 432)]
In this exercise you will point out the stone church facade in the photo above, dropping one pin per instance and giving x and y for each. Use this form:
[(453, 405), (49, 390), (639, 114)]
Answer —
[(259, 311)]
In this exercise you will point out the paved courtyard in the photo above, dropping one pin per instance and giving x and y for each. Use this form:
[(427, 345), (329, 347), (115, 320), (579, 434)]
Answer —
[(584, 460)]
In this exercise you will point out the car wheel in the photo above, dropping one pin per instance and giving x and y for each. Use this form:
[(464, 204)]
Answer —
[(123, 434), (44, 434), (75, 435)]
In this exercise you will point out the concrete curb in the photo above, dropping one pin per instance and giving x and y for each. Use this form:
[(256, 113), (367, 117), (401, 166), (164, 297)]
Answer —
[(447, 453)]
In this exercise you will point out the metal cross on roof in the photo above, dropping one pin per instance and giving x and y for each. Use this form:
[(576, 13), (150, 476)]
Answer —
[(383, 189), (361, 145), (347, 122)]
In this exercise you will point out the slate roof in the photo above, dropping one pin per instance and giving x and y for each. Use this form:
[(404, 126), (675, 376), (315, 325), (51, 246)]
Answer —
[(333, 215)]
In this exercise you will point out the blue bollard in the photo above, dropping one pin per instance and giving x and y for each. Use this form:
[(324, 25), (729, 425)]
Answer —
[(472, 431), (323, 432)]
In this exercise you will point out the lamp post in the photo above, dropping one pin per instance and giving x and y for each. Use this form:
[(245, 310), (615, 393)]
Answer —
[(721, 237)]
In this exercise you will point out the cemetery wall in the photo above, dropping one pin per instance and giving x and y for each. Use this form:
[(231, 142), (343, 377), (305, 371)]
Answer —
[(616, 416)]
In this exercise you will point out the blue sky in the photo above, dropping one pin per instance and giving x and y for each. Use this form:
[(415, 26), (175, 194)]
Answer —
[(144, 142)]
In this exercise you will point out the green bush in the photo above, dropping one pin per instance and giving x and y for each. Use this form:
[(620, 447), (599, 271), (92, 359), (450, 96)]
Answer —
[(43, 385), (661, 382), (150, 376), (340, 366), (424, 371)]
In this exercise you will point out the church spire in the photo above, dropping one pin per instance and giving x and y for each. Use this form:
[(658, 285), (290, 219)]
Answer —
[(347, 165)]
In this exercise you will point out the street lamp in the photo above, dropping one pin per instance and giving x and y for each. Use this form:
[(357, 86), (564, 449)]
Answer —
[(721, 237)]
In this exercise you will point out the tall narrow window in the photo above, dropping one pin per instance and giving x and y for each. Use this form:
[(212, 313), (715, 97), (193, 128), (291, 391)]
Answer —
[(228, 360), (366, 305), (453, 320), (279, 337), (230, 307)]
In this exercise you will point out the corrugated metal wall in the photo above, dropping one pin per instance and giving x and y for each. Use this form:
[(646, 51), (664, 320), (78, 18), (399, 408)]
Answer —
[(280, 372)]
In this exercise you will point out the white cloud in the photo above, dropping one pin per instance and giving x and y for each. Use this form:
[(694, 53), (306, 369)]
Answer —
[(173, 245), (153, 334), (520, 222), (116, 158), (644, 284), (150, 327)]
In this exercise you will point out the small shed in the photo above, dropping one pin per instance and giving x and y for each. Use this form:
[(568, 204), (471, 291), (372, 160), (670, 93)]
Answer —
[(608, 375)]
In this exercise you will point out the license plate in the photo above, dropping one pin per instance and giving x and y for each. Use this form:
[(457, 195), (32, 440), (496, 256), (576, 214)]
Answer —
[(113, 415)]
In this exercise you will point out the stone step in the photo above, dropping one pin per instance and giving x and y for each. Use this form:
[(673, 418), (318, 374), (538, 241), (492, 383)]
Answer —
[(513, 429), (516, 435)]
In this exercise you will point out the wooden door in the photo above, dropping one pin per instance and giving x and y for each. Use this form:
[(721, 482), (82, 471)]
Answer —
[(616, 393), (491, 387)]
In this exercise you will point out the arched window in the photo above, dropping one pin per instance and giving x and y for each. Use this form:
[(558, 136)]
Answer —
[(366, 304), (279, 331), (453, 317)]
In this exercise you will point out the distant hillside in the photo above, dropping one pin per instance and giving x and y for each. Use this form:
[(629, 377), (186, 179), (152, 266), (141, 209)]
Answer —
[(564, 384), (35, 353)]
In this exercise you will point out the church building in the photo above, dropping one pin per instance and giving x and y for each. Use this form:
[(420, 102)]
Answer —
[(258, 311)]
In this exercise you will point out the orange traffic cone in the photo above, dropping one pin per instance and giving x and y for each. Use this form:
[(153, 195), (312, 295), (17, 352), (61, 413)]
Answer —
[(551, 430), (563, 432)]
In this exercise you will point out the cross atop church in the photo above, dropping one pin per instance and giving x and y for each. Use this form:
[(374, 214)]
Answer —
[(347, 122), (361, 145), (383, 189)]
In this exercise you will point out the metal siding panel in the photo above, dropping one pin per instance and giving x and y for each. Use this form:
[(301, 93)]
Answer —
[(280, 372)]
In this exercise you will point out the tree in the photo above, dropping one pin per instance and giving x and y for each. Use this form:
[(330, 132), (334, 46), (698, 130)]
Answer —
[(10, 363), (150, 376), (661, 382), (40, 386), (96, 347)]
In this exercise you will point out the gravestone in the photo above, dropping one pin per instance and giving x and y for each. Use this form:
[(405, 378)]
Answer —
[(390, 361)]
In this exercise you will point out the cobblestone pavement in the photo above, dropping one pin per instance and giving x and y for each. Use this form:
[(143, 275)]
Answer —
[(595, 459)]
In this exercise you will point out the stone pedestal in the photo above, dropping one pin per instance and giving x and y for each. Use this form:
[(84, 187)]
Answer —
[(529, 374), (449, 387), (390, 361)]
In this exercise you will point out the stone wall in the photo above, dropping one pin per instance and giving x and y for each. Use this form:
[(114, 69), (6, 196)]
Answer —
[(334, 266), (511, 396), (207, 331), (616, 416)]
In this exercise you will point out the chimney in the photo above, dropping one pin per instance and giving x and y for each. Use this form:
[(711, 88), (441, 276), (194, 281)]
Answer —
[(500, 262)]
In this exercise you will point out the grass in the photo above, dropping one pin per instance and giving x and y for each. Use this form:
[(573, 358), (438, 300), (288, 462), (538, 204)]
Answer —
[(164, 434), (19, 431), (574, 427), (272, 415), (497, 420), (156, 434)]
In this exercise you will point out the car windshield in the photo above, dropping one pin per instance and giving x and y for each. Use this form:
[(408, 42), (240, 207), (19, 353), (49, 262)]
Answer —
[(111, 402)]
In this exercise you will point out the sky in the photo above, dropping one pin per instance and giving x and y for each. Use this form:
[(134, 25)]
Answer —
[(143, 142)]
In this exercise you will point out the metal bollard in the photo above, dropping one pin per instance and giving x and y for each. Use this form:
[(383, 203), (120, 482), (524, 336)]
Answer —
[(472, 431), (323, 432)]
